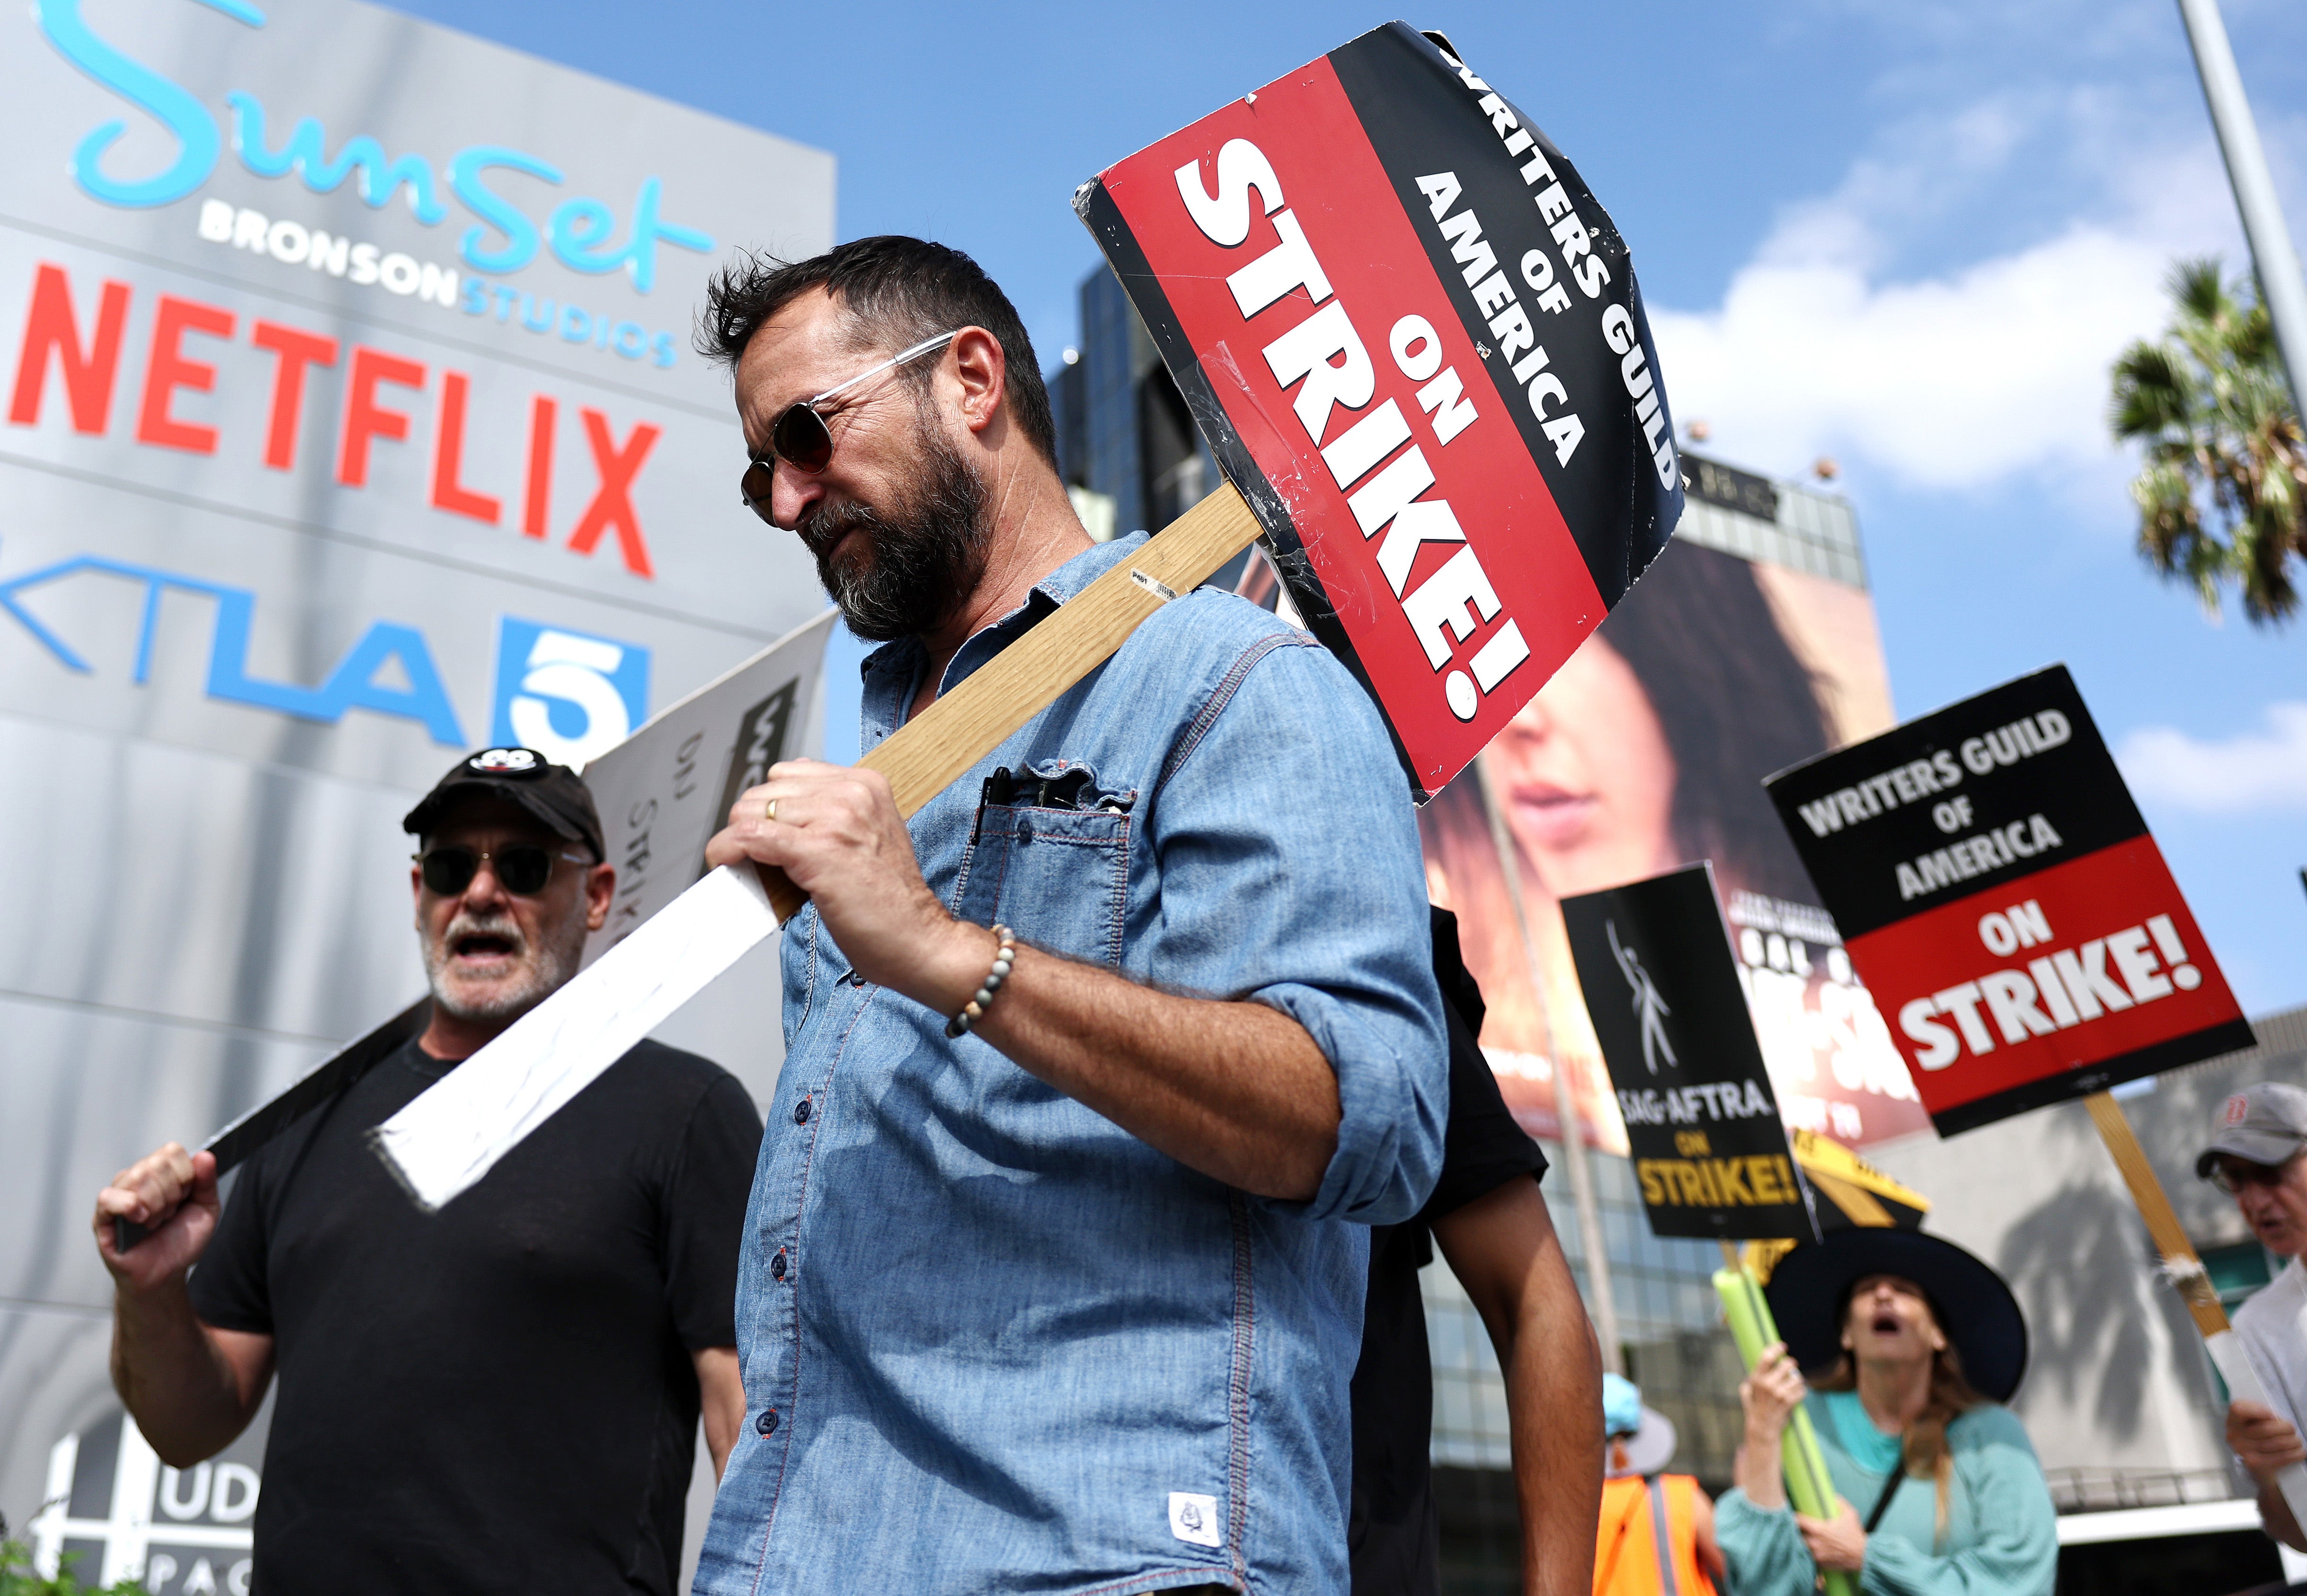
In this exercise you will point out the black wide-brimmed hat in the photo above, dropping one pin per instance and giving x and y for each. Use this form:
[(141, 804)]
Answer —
[(1811, 1287)]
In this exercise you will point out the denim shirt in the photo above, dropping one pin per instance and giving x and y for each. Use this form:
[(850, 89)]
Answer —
[(990, 1340)]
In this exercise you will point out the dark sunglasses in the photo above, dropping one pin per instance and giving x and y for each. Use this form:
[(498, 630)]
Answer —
[(522, 869), (2231, 1175), (799, 437)]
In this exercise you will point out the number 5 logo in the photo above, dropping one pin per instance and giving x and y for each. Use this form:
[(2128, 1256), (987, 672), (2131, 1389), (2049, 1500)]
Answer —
[(571, 696)]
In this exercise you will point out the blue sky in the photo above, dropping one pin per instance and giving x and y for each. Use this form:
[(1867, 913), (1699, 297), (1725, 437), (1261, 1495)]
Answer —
[(1909, 236)]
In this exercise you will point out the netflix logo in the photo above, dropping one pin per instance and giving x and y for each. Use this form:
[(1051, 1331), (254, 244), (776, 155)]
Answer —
[(74, 346)]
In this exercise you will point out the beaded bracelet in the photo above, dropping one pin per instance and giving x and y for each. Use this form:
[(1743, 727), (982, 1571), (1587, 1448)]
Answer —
[(1004, 955)]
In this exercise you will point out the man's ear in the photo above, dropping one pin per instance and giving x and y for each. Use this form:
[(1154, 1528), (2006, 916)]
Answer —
[(600, 891), (983, 369)]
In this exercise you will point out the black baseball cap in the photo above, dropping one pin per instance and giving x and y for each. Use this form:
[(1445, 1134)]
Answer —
[(552, 793)]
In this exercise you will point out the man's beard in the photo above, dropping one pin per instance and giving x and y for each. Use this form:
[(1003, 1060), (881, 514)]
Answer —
[(920, 560), (540, 969)]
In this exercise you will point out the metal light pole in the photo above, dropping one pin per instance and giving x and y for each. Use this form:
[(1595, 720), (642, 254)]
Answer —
[(1604, 1308), (2280, 286)]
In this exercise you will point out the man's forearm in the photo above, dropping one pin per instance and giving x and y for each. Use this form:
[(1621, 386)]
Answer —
[(183, 1393), (1236, 1090), (1554, 1377), (2275, 1513), (1503, 1248)]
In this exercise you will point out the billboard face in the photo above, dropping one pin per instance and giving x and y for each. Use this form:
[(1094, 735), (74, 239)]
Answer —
[(1647, 751), (350, 423)]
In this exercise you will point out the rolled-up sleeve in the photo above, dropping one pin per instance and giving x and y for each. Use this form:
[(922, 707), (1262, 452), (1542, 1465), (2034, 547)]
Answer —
[(1762, 1546), (1289, 853)]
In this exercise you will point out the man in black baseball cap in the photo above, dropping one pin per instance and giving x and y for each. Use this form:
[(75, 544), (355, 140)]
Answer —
[(520, 1375), (2254, 1156), (495, 953)]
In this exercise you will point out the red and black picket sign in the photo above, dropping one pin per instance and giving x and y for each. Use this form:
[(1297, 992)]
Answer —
[(1998, 890), (1414, 343), (1703, 1127)]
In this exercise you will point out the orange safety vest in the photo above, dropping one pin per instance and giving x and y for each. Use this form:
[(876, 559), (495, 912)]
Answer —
[(1637, 1515)]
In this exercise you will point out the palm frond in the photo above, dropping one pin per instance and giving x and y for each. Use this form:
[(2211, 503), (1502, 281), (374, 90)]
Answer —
[(2222, 487)]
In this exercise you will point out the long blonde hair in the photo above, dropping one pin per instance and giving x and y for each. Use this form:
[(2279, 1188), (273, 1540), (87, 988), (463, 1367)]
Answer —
[(1922, 1450)]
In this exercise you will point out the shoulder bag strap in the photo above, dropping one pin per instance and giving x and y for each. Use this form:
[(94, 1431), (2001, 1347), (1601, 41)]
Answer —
[(1890, 1489)]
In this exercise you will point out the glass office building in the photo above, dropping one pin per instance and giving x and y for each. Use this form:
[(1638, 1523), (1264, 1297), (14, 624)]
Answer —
[(1124, 433)]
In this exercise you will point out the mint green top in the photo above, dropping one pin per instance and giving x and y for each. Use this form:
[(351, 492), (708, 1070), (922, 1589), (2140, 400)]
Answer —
[(2002, 1533)]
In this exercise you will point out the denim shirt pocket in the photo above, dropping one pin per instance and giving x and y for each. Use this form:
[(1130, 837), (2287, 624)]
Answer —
[(1059, 878)]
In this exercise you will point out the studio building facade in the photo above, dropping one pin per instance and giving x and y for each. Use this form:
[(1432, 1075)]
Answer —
[(351, 424)]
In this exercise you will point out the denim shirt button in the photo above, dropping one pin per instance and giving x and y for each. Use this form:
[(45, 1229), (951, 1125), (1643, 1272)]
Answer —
[(777, 1265), (768, 1422), (801, 1112), (1025, 832)]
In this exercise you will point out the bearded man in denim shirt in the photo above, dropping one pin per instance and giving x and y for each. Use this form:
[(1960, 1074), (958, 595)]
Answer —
[(1069, 1303)]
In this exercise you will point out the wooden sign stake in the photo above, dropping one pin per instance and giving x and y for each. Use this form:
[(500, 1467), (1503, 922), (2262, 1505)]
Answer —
[(937, 747), (2186, 1272)]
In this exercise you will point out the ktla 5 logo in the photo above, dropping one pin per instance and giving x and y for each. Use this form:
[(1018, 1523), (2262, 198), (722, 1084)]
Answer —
[(569, 695)]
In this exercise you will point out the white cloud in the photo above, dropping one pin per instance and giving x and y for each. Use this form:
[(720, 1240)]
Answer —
[(2256, 771), (1973, 370), (1951, 382)]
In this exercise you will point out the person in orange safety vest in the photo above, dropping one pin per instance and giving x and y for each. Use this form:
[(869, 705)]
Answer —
[(1657, 1531)]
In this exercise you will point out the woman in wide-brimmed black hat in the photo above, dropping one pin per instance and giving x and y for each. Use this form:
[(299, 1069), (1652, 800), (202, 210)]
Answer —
[(1914, 1346)]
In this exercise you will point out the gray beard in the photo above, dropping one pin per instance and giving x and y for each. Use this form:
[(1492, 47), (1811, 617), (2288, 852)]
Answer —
[(923, 558), (542, 968)]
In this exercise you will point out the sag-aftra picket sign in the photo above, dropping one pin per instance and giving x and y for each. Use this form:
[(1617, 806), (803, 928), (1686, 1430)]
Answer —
[(1703, 1124)]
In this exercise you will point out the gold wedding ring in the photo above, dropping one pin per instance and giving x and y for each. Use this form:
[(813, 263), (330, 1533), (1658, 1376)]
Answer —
[(769, 811)]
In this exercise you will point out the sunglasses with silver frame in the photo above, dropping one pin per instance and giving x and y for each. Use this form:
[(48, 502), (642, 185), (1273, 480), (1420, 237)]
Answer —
[(799, 436)]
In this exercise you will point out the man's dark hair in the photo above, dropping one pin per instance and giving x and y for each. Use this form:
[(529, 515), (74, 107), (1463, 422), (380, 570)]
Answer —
[(897, 291)]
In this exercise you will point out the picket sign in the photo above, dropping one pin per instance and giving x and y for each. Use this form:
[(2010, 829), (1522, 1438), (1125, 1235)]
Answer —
[(1703, 1127), (1999, 891), (232, 1145), (1414, 343)]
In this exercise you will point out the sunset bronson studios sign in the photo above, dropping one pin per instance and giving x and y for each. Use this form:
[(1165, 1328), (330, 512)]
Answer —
[(335, 272)]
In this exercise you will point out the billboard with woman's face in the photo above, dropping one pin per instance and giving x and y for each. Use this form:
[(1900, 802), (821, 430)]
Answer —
[(1646, 752)]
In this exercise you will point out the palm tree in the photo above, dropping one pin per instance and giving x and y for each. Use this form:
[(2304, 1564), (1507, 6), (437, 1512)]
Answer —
[(2223, 496)]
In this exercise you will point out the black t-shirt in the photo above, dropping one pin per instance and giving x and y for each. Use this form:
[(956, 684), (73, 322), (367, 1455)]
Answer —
[(500, 1396), (1394, 1536)]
